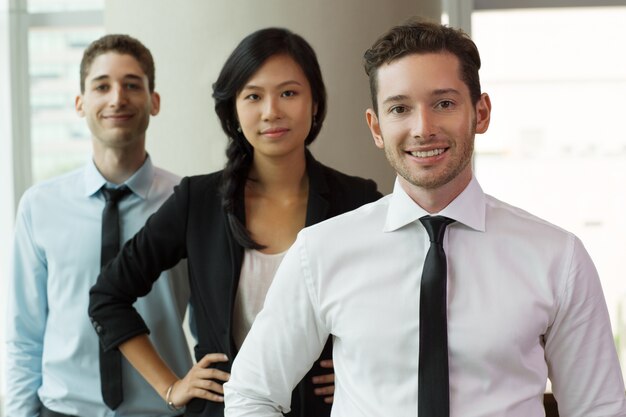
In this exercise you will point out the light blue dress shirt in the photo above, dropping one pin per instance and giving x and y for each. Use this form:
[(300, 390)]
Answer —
[(52, 348)]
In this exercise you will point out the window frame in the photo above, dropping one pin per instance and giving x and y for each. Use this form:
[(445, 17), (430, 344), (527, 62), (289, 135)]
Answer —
[(15, 121)]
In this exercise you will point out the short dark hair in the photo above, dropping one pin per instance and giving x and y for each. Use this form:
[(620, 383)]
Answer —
[(251, 53), (419, 36), (121, 44)]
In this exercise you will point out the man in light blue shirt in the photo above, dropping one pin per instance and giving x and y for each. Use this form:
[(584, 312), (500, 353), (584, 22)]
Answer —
[(52, 349)]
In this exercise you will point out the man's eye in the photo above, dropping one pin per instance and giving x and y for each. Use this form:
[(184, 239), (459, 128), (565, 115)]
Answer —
[(102, 87), (445, 104), (133, 86), (398, 109)]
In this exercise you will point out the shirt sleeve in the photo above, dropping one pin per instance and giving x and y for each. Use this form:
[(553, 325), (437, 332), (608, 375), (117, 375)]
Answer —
[(284, 341), (158, 246), (580, 351), (27, 312)]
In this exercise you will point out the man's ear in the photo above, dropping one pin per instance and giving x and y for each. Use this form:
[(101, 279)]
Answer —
[(483, 113), (78, 105), (156, 103), (374, 125)]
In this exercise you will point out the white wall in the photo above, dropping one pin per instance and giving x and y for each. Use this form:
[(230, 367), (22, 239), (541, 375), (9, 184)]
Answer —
[(191, 40)]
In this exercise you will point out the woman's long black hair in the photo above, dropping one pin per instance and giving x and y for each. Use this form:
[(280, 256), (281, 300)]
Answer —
[(241, 65)]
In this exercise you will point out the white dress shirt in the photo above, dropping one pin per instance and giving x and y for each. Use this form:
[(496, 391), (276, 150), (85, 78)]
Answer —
[(524, 304), (52, 348)]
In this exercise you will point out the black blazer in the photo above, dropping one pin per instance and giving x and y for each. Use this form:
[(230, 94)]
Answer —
[(192, 224)]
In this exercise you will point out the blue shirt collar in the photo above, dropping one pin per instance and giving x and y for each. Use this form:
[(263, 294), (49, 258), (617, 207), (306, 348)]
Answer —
[(139, 183)]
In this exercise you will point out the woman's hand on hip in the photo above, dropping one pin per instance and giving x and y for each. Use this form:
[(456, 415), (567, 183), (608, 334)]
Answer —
[(202, 381)]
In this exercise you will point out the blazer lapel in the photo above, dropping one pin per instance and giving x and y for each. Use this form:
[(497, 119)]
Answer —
[(236, 260), (318, 204)]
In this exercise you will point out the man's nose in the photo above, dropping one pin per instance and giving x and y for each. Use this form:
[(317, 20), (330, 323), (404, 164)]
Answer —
[(423, 124), (118, 96)]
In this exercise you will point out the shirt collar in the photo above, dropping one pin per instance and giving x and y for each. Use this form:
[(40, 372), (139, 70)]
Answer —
[(139, 183), (467, 208)]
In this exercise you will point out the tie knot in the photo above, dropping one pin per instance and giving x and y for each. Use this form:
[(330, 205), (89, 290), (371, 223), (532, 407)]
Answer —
[(436, 227), (113, 195)]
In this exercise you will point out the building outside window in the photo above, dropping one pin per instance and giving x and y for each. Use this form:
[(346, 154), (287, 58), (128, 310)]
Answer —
[(57, 37)]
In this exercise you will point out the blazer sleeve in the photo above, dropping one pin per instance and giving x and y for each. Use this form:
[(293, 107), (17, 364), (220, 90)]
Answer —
[(158, 246)]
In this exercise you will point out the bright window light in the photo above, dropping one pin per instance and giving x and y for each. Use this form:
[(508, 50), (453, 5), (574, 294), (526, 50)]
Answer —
[(556, 146)]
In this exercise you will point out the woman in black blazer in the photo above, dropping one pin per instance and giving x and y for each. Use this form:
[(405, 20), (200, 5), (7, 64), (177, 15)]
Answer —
[(271, 101)]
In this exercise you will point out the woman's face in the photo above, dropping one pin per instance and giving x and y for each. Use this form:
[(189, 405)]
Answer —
[(275, 108)]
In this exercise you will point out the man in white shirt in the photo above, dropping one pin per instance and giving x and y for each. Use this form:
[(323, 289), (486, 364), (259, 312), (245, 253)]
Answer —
[(524, 301)]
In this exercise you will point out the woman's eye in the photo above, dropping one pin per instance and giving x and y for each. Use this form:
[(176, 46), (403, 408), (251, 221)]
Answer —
[(289, 93), (252, 97)]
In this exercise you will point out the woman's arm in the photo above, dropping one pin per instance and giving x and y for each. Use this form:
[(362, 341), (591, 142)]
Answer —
[(158, 246)]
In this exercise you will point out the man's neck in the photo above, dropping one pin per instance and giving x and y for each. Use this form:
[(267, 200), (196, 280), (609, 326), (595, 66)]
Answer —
[(117, 165), (436, 199)]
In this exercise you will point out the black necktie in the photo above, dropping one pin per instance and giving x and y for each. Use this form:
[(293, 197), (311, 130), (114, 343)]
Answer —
[(111, 361), (434, 390)]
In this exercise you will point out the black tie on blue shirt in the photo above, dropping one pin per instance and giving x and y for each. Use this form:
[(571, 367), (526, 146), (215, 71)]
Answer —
[(433, 384), (111, 361)]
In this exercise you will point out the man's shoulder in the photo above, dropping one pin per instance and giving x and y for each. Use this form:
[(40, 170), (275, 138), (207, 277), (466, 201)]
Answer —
[(202, 182), (505, 216), (213, 178), (193, 184), (50, 188), (166, 176)]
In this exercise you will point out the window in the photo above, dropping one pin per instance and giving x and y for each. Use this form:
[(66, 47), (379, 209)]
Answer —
[(58, 34), (54, 32), (555, 147), (59, 139)]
